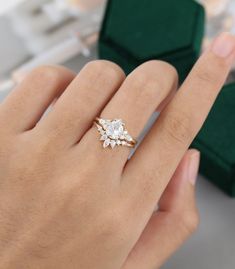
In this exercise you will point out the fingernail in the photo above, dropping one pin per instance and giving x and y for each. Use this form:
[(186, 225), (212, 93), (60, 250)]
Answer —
[(224, 45), (193, 166)]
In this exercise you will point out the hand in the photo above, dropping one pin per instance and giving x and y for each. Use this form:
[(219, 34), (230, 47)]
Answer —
[(65, 202)]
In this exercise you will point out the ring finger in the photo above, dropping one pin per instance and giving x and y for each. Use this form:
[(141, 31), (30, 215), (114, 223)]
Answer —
[(142, 92)]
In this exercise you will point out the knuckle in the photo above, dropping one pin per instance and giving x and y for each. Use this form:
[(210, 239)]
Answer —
[(206, 75), (47, 73), (145, 87), (178, 127), (172, 72), (167, 67), (160, 71), (164, 67), (157, 78), (105, 68)]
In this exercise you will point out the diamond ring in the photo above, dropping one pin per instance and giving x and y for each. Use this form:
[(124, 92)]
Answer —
[(114, 133)]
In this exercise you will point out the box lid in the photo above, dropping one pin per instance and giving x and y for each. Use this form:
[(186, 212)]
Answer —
[(133, 26)]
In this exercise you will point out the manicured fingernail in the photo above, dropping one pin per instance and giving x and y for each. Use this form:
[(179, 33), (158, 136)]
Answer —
[(193, 166), (224, 45)]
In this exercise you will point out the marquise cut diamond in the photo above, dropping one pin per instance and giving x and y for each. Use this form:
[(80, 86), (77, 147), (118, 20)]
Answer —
[(113, 143), (104, 137), (106, 143)]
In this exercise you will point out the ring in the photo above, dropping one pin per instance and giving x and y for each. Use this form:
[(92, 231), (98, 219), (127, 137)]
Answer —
[(114, 133)]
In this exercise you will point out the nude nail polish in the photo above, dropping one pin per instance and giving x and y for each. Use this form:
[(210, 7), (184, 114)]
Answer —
[(86, 4), (224, 45)]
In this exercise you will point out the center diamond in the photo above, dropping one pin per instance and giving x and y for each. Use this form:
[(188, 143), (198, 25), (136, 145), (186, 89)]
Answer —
[(114, 129)]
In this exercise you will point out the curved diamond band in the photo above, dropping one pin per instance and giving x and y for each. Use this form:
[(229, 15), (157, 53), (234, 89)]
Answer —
[(114, 133)]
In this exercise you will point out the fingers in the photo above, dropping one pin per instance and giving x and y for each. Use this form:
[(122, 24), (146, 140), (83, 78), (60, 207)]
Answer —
[(142, 92), (83, 100), (176, 219), (24, 107), (139, 96), (146, 177)]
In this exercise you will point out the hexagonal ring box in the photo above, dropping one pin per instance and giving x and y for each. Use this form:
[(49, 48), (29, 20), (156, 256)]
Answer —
[(135, 31)]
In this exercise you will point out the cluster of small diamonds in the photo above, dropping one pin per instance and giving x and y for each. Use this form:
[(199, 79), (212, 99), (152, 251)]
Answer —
[(113, 133)]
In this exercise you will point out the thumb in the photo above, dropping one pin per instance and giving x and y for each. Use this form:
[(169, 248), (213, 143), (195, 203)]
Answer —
[(176, 218)]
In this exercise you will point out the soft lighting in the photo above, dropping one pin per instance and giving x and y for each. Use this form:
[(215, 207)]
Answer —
[(7, 5)]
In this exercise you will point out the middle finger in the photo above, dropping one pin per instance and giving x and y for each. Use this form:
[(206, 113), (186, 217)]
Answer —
[(139, 96)]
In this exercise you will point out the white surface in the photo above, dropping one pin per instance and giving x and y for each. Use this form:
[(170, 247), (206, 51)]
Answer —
[(7, 5), (12, 51), (213, 246)]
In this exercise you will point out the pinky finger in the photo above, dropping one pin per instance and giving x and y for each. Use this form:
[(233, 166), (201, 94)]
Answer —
[(176, 219)]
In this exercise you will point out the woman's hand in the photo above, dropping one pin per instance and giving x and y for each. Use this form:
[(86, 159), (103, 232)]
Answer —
[(66, 202)]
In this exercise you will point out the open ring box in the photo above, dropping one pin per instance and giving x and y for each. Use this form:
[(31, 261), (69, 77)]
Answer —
[(135, 31)]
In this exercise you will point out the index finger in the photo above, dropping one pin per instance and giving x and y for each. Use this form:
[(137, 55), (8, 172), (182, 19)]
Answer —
[(149, 171)]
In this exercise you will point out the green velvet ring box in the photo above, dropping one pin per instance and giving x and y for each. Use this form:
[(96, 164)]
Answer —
[(216, 141), (135, 31)]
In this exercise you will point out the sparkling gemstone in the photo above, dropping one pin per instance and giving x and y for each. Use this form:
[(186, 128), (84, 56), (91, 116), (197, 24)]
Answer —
[(100, 129), (102, 121), (113, 143), (114, 129), (106, 143), (118, 142), (128, 138), (103, 137)]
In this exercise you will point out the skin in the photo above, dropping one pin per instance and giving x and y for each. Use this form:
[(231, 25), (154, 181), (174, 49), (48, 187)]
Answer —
[(65, 202)]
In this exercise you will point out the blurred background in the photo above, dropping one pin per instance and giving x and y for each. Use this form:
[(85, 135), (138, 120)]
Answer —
[(36, 32)]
